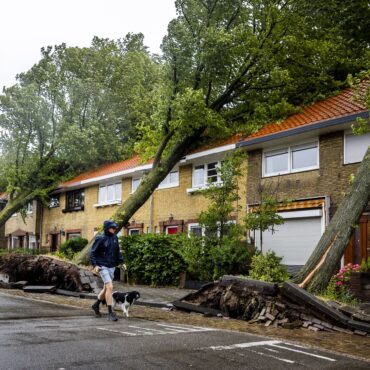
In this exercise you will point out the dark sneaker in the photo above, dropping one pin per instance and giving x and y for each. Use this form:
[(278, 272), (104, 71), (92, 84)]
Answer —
[(95, 308), (112, 316)]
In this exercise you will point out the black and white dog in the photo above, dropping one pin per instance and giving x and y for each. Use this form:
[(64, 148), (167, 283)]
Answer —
[(125, 300)]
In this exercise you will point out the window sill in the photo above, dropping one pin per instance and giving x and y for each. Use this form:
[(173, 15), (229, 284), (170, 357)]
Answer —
[(203, 187), (291, 172), (108, 204), (168, 186), (75, 209)]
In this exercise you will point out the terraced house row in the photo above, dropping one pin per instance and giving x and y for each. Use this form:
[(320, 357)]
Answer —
[(306, 160)]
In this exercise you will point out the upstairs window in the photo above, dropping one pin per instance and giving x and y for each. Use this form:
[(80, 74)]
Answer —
[(75, 200), (295, 158), (110, 193), (170, 181), (135, 184), (206, 174), (355, 147), (54, 201)]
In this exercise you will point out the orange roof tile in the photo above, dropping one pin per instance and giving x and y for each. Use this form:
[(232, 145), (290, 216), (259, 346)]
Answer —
[(337, 106), (334, 107), (106, 169)]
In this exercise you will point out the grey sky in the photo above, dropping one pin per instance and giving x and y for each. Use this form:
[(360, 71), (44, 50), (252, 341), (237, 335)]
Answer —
[(28, 25)]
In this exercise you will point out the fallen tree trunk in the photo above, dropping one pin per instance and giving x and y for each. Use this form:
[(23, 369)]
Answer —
[(325, 259), (42, 270), (288, 306)]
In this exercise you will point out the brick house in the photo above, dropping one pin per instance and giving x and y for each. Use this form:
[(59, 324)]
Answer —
[(80, 205), (25, 233), (307, 160)]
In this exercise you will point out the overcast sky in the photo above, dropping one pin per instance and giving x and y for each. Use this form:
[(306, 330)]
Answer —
[(28, 25)]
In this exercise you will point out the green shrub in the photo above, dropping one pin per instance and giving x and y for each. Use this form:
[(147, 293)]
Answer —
[(268, 267), (208, 261), (72, 246), (16, 251), (154, 258), (339, 293)]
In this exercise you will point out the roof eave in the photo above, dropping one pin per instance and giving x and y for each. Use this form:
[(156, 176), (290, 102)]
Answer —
[(303, 129)]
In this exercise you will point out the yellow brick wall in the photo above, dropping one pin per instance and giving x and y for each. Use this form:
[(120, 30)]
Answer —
[(16, 222), (171, 201)]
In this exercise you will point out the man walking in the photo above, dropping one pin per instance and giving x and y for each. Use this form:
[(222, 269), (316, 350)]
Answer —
[(105, 256)]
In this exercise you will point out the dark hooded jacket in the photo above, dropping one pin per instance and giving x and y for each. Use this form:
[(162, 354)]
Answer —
[(105, 250)]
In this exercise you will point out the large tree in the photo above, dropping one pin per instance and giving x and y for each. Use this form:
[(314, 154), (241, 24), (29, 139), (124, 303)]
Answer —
[(325, 259), (232, 65), (75, 109)]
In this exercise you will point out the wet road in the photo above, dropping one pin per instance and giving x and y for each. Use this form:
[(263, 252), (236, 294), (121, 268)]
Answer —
[(47, 336)]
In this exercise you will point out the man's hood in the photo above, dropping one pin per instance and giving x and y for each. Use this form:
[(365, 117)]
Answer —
[(108, 224)]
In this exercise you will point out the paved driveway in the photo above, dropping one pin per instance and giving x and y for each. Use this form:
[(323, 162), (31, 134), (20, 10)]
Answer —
[(83, 342)]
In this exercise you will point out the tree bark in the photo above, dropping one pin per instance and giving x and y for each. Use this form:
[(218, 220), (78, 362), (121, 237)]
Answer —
[(146, 188), (15, 205), (320, 267)]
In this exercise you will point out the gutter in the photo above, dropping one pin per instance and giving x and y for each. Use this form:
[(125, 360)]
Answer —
[(303, 129)]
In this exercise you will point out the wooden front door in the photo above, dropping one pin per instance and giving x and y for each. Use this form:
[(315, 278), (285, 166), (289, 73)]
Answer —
[(54, 243), (359, 245)]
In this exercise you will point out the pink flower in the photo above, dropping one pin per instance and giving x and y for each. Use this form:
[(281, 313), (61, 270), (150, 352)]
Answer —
[(339, 283)]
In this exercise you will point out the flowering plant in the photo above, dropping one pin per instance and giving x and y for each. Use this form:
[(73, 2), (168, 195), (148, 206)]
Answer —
[(344, 274), (338, 288)]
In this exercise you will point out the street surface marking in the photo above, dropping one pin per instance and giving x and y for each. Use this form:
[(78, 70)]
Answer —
[(271, 356), (303, 352), (117, 331), (245, 345), (164, 329), (272, 343)]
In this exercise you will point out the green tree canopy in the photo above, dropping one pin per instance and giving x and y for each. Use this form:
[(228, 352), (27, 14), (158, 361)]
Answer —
[(75, 109)]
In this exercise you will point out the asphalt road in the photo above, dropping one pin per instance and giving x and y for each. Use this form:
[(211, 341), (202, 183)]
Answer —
[(38, 335)]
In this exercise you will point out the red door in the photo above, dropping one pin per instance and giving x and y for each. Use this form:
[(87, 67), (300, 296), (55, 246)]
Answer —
[(172, 229)]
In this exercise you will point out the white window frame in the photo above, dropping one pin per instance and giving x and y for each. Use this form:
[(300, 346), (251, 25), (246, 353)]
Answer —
[(76, 235), (205, 175), (194, 225), (29, 208), (132, 184), (130, 231), (290, 150), (117, 198), (32, 239), (345, 160), (165, 184)]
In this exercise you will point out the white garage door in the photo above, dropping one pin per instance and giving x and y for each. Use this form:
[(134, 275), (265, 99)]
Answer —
[(296, 238)]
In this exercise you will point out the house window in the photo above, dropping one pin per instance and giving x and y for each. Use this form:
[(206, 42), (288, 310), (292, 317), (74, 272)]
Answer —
[(355, 147), (75, 200), (135, 184), (206, 174), (110, 193), (32, 241), (170, 181), (195, 230), (54, 201), (172, 230), (133, 232), (291, 159), (74, 235)]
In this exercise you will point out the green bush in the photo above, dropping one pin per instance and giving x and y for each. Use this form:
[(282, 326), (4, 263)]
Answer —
[(154, 258), (16, 251), (268, 267), (72, 246), (339, 293), (208, 261), (365, 265)]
